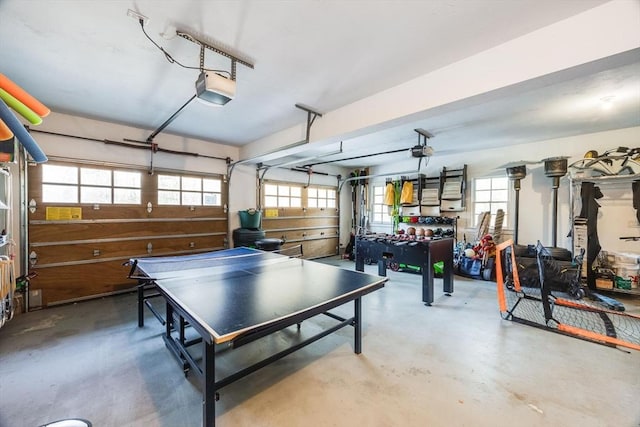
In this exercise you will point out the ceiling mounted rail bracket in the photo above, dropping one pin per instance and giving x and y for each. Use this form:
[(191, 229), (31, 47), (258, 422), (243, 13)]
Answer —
[(203, 45), (212, 87), (311, 117)]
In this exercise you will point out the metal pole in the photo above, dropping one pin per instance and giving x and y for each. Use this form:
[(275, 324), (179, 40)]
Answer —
[(516, 185), (169, 120), (556, 184)]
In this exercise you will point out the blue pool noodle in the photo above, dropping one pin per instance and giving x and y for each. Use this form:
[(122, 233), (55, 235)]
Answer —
[(21, 133)]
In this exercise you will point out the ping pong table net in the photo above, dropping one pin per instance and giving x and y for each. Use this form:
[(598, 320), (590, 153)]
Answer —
[(190, 266)]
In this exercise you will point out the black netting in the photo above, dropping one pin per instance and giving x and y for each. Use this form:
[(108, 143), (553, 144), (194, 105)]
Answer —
[(558, 304)]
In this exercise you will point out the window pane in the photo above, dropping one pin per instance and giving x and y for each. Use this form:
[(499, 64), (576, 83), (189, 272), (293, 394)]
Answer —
[(296, 192), (312, 192), (95, 177), (378, 191), (322, 203), (271, 190), (95, 195), (283, 190), (483, 196), (126, 179), (283, 202), (482, 207), (331, 194), (498, 195), (212, 185), (211, 199), (483, 184), (331, 203), (322, 193), (378, 199), (271, 201), (496, 206), (191, 184), (126, 196), (59, 193), (296, 202), (60, 174), (168, 182), (191, 198), (500, 183), (313, 203), (168, 197)]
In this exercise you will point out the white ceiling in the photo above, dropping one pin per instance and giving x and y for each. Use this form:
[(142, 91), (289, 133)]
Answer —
[(90, 59)]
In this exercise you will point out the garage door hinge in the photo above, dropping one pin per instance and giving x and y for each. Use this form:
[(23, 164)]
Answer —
[(149, 207), (149, 247), (32, 206), (225, 208)]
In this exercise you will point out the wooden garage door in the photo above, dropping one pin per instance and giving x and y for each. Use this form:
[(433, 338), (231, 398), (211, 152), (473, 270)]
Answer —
[(302, 215), (86, 220)]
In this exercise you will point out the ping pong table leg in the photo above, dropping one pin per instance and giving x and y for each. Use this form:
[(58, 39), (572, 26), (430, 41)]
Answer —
[(358, 325), (140, 304), (209, 392)]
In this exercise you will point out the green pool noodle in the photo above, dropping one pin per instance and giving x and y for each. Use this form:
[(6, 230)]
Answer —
[(20, 108)]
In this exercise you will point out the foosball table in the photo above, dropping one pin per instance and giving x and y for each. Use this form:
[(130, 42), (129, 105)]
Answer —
[(390, 251)]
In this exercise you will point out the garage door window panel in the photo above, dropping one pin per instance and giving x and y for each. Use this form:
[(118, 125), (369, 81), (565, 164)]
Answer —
[(321, 198), (282, 196), (59, 184), (189, 191)]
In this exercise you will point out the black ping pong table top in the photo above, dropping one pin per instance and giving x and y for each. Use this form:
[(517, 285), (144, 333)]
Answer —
[(234, 291), (240, 295)]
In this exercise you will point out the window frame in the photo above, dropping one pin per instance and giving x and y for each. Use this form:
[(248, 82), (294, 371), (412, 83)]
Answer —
[(280, 195), (183, 191), (504, 204), (78, 185), (383, 209), (325, 199)]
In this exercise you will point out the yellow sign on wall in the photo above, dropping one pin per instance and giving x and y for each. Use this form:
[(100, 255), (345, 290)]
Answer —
[(271, 213), (63, 213)]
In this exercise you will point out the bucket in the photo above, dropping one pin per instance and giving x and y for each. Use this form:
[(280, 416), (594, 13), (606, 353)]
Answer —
[(250, 218), (629, 273)]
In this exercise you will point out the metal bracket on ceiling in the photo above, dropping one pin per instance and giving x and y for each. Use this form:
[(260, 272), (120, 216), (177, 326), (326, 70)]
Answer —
[(311, 117), (423, 135), (234, 59)]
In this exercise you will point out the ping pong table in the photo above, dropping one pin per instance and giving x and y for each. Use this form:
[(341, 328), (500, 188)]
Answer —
[(236, 296)]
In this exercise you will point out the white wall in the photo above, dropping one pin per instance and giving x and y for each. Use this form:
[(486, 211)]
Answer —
[(536, 196)]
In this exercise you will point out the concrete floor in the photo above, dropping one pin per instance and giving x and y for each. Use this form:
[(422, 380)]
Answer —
[(456, 363)]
